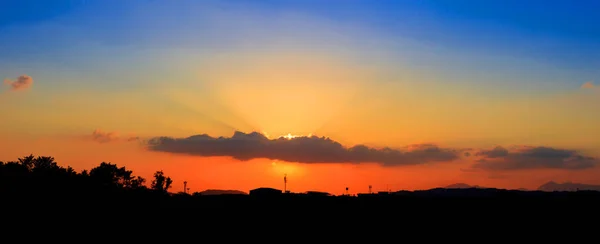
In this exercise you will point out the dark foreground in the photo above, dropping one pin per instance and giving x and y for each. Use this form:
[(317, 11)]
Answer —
[(454, 215), (466, 203), (41, 201)]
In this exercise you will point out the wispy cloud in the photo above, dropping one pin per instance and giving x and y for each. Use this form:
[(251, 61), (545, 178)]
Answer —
[(313, 149), (133, 138), (105, 137), (529, 157), (22, 82)]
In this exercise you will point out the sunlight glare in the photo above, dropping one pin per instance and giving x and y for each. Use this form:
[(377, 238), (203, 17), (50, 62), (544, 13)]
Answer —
[(259, 89), (289, 136), (291, 169)]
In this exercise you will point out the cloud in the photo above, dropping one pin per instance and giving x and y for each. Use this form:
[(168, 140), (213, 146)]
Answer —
[(496, 152), (22, 82), (588, 85), (498, 176), (528, 157), (133, 138), (104, 137), (313, 149)]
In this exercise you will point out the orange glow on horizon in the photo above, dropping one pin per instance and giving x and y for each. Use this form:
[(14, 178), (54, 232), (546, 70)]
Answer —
[(225, 173)]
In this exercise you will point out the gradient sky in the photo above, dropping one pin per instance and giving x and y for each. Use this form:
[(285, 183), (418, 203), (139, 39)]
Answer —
[(510, 88)]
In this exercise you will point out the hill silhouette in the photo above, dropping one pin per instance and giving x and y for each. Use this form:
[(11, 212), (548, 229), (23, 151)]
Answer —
[(212, 192), (461, 186), (568, 186)]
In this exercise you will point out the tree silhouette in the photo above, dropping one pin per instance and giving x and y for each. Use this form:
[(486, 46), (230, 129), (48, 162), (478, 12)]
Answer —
[(27, 161), (110, 175), (161, 183), (137, 182), (44, 164)]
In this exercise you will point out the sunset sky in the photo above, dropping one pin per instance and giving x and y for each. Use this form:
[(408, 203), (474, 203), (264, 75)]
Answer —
[(400, 95)]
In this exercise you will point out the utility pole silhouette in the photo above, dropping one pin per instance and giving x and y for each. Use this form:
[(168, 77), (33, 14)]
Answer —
[(285, 183), (185, 187), (370, 187)]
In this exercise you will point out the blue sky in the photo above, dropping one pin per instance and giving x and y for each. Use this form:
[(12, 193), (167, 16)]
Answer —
[(561, 37)]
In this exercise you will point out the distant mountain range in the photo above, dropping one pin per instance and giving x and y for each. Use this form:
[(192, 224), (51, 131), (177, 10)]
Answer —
[(568, 186), (550, 186), (222, 192), (462, 186)]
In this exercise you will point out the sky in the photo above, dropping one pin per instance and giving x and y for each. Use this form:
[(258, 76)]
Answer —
[(400, 95)]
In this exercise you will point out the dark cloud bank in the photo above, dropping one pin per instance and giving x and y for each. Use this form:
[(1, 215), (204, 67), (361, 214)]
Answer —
[(312, 149), (526, 157)]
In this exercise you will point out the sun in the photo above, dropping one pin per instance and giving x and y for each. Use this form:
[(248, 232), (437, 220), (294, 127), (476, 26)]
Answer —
[(289, 136)]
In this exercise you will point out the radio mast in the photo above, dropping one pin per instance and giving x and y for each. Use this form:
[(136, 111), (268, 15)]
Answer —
[(285, 183)]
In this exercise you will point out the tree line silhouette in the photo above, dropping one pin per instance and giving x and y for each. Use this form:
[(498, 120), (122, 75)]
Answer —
[(40, 179), (42, 173)]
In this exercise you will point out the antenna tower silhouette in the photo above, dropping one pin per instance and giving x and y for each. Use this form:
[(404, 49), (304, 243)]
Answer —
[(370, 187), (185, 187), (285, 183)]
